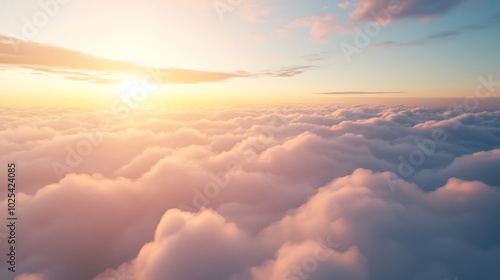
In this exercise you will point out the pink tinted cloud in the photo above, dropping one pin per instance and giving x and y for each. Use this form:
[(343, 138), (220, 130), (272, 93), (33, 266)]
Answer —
[(353, 211), (177, 241), (323, 173), (344, 5), (320, 27), (422, 9)]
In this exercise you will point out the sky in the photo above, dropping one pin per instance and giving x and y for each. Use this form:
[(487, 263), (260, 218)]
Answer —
[(77, 52), (249, 139)]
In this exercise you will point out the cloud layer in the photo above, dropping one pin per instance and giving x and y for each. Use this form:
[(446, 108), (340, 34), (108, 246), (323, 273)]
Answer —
[(297, 192)]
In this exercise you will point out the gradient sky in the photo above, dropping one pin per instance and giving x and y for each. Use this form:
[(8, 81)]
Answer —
[(276, 49)]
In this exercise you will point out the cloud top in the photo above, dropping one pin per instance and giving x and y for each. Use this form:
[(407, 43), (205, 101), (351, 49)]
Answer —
[(256, 193)]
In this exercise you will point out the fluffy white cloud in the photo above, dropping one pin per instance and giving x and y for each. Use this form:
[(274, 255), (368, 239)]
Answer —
[(353, 192)]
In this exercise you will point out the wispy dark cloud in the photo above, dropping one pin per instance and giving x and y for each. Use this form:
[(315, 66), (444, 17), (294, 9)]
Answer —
[(403, 9), (445, 34), (358, 92), (490, 22), (315, 57), (289, 71)]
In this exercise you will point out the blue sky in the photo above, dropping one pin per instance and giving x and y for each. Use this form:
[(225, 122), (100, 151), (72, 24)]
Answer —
[(284, 48)]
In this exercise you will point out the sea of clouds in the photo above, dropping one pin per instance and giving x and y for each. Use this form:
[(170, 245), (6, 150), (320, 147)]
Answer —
[(264, 193)]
